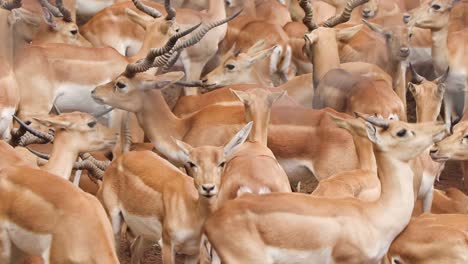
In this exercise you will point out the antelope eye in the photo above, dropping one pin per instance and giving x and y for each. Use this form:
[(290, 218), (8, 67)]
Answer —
[(222, 164), (92, 124), (435, 6), (230, 66), (401, 133), (191, 164), (120, 85)]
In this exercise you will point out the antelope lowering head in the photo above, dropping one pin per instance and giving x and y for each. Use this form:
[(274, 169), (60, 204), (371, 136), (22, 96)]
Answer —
[(206, 164)]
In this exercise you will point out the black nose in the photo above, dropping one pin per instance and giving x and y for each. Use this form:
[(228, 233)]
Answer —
[(93, 91), (366, 11), (204, 80), (406, 18), (404, 50), (208, 187)]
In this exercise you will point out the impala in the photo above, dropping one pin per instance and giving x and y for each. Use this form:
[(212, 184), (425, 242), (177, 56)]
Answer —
[(177, 204), (43, 215), (432, 238), (193, 59), (317, 229)]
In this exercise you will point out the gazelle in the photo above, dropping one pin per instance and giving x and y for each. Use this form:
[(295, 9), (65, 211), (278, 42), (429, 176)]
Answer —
[(353, 231), (432, 238), (448, 50), (101, 30), (52, 219), (75, 133), (362, 183), (291, 123), (253, 168), (177, 204)]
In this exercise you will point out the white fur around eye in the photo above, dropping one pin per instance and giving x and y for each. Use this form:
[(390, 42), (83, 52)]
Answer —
[(393, 117)]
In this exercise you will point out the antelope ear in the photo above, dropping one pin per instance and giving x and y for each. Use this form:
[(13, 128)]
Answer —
[(49, 18), (241, 95), (238, 139), (260, 55), (412, 88), (353, 125), (273, 97), (256, 47), (374, 27), (345, 34), (141, 20), (184, 148), (53, 122), (163, 80), (372, 133)]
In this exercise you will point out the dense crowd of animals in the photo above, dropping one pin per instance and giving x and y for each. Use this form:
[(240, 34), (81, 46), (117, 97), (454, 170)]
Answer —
[(193, 123)]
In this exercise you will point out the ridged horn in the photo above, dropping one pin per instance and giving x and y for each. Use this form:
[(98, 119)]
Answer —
[(171, 12), (147, 63), (93, 171), (415, 77), (164, 59), (33, 131), (101, 164), (29, 139), (65, 12), (345, 15), (147, 9), (309, 15), (54, 10), (10, 5), (379, 122)]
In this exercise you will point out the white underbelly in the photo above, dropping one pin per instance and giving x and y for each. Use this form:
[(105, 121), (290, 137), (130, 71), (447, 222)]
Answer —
[(148, 227), (29, 242), (293, 256), (72, 97)]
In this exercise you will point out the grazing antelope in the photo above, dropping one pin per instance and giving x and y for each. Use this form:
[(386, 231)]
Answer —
[(432, 238), (316, 229), (253, 168), (43, 215), (177, 205)]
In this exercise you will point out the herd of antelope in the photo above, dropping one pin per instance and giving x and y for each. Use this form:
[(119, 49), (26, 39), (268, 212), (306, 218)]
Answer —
[(193, 123)]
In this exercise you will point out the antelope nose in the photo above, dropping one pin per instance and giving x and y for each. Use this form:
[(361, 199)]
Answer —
[(93, 91), (366, 12), (406, 18), (204, 80), (404, 51), (208, 187)]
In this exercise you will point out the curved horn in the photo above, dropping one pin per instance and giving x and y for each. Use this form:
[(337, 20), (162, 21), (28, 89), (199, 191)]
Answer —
[(36, 133), (65, 12), (172, 61), (171, 12), (54, 10), (100, 114), (147, 62), (101, 164), (10, 5), (38, 153), (29, 139), (374, 120), (415, 77), (94, 172), (309, 15), (163, 60), (443, 78), (147, 9), (345, 15)]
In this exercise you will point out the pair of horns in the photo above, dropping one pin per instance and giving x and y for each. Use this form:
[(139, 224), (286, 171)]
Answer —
[(379, 122), (333, 21), (95, 167), (59, 11), (10, 5), (418, 79), (158, 57), (171, 12)]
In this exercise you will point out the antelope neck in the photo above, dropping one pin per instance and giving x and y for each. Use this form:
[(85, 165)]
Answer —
[(62, 158), (440, 50)]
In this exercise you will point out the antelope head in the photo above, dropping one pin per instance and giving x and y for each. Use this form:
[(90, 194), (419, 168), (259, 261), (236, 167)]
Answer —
[(397, 39), (398, 137), (427, 94), (206, 164), (237, 69), (432, 14)]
